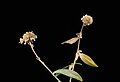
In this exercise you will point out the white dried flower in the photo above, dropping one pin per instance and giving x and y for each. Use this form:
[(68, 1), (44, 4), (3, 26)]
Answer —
[(28, 37), (87, 20)]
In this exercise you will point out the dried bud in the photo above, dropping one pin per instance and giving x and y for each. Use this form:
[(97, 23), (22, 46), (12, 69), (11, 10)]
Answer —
[(28, 37), (87, 20)]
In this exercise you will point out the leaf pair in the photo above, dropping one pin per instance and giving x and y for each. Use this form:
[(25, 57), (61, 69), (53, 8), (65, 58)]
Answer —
[(85, 58), (72, 74)]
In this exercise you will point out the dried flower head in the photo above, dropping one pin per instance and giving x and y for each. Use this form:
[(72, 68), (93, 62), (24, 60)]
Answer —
[(28, 37), (87, 20)]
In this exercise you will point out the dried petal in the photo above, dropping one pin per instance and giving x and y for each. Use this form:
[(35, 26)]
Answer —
[(21, 41)]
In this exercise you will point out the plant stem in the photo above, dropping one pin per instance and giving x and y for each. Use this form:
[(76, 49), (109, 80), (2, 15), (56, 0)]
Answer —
[(76, 56), (80, 34), (38, 58)]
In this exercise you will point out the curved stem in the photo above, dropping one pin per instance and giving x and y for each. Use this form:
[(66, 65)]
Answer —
[(38, 58), (76, 56)]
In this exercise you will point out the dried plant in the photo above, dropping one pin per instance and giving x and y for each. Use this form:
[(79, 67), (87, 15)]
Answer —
[(87, 20), (29, 38)]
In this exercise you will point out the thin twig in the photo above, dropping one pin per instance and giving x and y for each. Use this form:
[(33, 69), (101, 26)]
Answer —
[(38, 58), (80, 34), (76, 56)]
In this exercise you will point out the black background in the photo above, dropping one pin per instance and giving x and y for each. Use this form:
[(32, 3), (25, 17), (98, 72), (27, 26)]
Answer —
[(54, 23)]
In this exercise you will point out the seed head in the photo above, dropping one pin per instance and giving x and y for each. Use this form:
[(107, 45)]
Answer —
[(87, 20), (28, 37)]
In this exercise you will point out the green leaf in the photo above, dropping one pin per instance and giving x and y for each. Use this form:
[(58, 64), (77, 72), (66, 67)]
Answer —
[(67, 67), (69, 73), (87, 60)]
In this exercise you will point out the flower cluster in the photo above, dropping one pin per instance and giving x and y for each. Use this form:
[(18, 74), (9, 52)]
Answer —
[(87, 20), (28, 37)]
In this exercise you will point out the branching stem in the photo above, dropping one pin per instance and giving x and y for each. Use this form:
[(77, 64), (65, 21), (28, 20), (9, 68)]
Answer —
[(76, 55)]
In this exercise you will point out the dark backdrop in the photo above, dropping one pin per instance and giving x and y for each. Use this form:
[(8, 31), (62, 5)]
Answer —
[(53, 24)]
